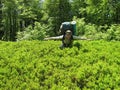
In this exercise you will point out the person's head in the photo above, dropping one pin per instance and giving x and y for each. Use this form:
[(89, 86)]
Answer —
[(68, 34)]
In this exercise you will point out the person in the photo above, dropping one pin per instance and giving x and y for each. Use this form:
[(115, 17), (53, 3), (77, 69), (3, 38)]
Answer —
[(67, 39)]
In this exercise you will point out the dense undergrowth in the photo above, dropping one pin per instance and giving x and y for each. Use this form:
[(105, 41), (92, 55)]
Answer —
[(41, 65)]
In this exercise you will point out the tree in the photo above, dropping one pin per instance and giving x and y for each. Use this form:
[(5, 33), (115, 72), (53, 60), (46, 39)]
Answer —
[(78, 8), (116, 10), (58, 11), (1, 26), (17, 15), (10, 19), (98, 12), (30, 11), (65, 13)]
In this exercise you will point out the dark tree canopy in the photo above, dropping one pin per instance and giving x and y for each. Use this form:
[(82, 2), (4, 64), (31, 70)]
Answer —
[(16, 15)]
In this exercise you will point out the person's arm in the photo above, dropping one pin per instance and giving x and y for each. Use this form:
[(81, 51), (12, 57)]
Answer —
[(80, 38), (54, 38)]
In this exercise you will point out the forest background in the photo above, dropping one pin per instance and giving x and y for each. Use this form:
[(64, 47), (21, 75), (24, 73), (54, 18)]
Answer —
[(37, 19)]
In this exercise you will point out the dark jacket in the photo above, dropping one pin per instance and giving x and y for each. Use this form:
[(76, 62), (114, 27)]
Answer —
[(67, 44)]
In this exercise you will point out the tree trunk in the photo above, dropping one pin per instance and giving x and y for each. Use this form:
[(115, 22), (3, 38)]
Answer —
[(1, 26)]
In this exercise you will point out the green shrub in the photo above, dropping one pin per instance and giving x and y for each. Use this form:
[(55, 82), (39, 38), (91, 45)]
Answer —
[(90, 31), (41, 65), (113, 33), (80, 26), (30, 33), (95, 32)]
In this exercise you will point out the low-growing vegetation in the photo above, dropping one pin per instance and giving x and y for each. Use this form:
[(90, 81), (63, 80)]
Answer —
[(41, 65)]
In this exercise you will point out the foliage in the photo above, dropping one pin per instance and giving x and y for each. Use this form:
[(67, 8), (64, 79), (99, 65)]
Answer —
[(113, 33), (15, 15), (80, 26), (98, 12), (58, 11), (41, 65), (37, 32), (96, 32), (10, 19)]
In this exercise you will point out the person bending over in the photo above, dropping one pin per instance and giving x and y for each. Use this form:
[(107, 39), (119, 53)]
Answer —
[(67, 39)]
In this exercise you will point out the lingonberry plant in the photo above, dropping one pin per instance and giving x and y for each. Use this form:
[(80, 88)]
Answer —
[(41, 65)]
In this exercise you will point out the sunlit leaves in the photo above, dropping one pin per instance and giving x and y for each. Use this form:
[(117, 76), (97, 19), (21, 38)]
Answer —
[(42, 65)]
